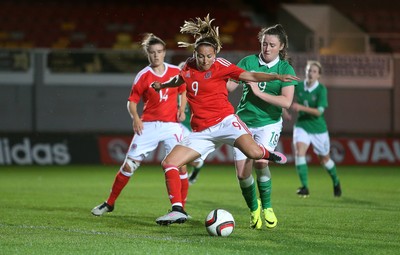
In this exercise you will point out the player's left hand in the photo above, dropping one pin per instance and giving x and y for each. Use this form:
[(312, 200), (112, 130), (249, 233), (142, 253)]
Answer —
[(156, 86)]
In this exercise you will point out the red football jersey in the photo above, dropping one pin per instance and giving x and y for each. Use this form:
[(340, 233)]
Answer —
[(207, 93), (158, 106)]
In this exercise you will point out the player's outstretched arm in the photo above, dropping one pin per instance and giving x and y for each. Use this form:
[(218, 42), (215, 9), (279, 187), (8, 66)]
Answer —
[(260, 77), (175, 81)]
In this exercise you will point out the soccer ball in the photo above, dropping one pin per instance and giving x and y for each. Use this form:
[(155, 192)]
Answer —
[(219, 222)]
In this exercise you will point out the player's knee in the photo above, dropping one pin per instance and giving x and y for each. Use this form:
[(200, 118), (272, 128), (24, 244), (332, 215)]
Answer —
[(245, 181), (263, 173), (254, 153), (323, 160), (241, 176), (164, 164), (167, 161), (183, 170), (243, 173), (260, 164), (328, 163), (168, 167), (300, 160), (130, 166)]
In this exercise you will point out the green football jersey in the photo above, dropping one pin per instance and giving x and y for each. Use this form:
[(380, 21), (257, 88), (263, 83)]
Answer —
[(316, 98), (254, 111)]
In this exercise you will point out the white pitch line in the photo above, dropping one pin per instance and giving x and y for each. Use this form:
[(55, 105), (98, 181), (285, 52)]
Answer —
[(94, 232)]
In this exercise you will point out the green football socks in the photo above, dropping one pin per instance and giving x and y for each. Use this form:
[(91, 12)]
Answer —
[(265, 192), (248, 188), (302, 171), (331, 169)]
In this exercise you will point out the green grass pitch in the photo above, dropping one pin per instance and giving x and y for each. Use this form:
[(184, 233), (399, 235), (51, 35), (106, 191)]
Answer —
[(46, 210)]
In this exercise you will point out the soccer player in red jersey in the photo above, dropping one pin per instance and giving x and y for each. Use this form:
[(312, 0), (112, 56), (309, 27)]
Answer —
[(213, 120), (158, 123)]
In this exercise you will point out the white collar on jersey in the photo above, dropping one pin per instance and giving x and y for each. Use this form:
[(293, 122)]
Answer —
[(156, 74), (312, 87), (270, 64)]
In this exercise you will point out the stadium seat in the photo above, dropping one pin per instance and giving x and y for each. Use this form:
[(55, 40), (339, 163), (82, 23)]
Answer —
[(99, 24)]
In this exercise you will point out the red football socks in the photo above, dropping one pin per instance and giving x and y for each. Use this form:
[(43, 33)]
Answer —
[(265, 152), (119, 184), (173, 183)]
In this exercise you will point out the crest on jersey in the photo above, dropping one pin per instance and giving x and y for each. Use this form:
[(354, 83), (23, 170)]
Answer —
[(207, 75), (187, 75)]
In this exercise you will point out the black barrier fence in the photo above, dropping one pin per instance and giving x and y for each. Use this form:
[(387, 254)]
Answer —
[(110, 149), (49, 149)]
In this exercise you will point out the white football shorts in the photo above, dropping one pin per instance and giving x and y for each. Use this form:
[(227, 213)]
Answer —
[(154, 132), (225, 132), (320, 142)]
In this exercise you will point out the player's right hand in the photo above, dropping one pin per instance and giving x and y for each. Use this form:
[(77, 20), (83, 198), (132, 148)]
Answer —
[(137, 126)]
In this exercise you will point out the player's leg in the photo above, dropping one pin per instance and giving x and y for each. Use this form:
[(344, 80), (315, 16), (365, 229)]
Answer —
[(301, 141), (121, 179), (237, 134), (321, 144), (179, 156), (197, 165), (264, 184), (247, 184), (268, 136), (139, 148), (253, 150), (175, 135), (302, 168), (330, 167)]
